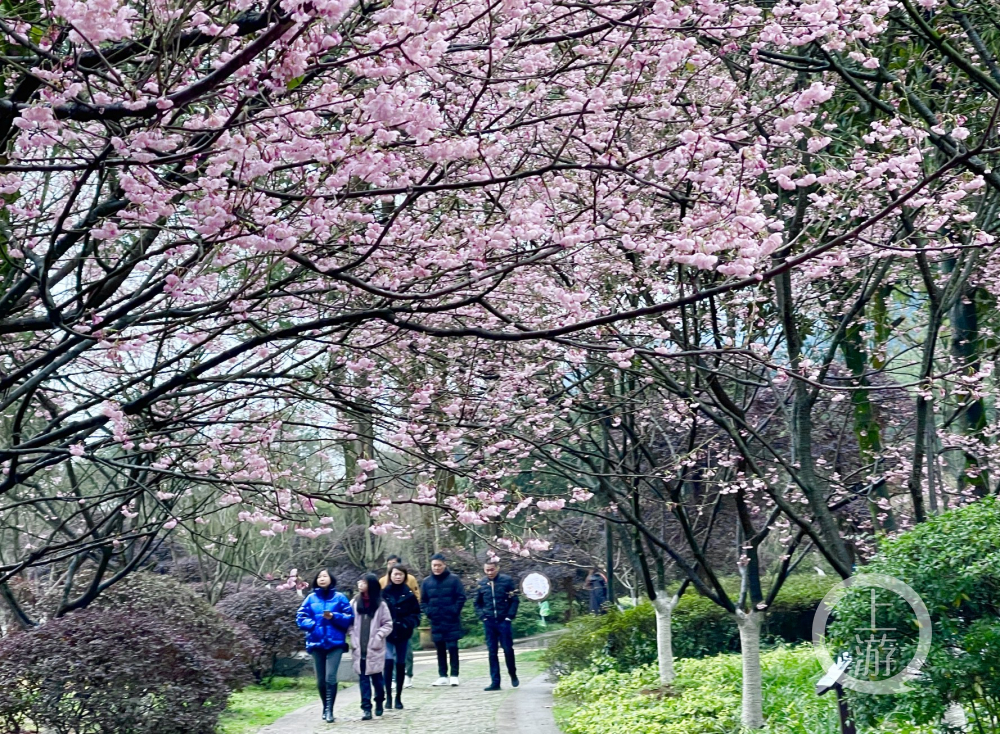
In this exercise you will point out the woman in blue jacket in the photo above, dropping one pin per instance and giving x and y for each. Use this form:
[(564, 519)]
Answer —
[(326, 615)]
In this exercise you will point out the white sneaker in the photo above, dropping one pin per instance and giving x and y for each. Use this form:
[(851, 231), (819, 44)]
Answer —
[(454, 680), (408, 682), (440, 682)]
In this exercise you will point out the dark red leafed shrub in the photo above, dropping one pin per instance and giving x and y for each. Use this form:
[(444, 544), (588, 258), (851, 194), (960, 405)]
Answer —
[(108, 672), (188, 616), (270, 617)]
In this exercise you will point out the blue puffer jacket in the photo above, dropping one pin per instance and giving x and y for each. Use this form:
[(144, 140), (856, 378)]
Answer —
[(324, 633)]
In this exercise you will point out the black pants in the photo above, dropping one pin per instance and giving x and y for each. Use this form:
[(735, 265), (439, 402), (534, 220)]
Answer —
[(451, 654), (500, 634), (327, 663), (366, 683), (398, 666), (409, 652)]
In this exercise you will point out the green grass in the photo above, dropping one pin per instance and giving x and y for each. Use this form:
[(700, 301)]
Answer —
[(529, 656), (257, 706)]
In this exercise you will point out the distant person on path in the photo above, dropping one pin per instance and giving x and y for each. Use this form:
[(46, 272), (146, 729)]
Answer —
[(405, 610), (496, 605), (597, 582), (411, 581), (442, 598), (372, 626), (326, 615)]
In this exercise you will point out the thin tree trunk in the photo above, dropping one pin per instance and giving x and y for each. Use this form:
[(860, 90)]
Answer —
[(915, 482), (954, 719), (664, 608), (931, 464), (609, 554), (753, 698), (966, 347), (801, 428), (20, 617), (866, 425)]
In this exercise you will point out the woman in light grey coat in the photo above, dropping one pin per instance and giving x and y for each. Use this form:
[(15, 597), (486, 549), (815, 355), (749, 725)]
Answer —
[(372, 625)]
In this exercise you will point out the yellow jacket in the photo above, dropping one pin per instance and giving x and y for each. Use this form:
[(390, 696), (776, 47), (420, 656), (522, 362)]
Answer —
[(410, 581)]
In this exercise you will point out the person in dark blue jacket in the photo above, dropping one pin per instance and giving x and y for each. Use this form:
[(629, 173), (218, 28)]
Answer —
[(441, 599), (326, 615), (496, 605)]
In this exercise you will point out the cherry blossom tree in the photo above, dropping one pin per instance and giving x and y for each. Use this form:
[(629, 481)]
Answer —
[(213, 214), (841, 324), (237, 237)]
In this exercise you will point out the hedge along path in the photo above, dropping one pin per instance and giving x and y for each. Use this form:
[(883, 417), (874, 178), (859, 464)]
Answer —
[(467, 709)]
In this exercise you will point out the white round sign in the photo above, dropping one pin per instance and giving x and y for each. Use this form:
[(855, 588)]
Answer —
[(536, 586)]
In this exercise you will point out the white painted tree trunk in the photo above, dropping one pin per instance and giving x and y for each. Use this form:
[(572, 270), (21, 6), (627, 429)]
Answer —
[(753, 699), (664, 608), (955, 719)]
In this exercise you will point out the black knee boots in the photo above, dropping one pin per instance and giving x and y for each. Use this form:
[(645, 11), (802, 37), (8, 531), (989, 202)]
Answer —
[(329, 700)]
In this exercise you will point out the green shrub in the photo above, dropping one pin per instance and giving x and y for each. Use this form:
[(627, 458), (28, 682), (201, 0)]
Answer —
[(528, 622), (700, 628), (705, 698), (953, 562), (575, 650)]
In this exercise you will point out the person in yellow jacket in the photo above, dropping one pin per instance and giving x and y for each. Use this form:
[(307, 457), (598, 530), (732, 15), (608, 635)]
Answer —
[(411, 581)]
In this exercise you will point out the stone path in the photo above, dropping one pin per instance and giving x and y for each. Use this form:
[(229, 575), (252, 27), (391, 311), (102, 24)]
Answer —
[(467, 709)]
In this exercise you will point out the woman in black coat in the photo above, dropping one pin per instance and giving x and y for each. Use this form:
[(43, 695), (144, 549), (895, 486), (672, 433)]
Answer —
[(405, 610)]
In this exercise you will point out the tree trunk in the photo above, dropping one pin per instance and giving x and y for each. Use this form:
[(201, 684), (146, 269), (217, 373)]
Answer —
[(867, 429), (664, 608), (801, 426), (966, 347), (954, 718), (753, 699), (20, 617)]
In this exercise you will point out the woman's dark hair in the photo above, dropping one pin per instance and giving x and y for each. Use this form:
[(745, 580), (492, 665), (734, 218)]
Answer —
[(333, 579), (399, 567), (374, 595)]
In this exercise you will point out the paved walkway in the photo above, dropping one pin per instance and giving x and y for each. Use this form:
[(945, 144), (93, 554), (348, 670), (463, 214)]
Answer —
[(467, 709)]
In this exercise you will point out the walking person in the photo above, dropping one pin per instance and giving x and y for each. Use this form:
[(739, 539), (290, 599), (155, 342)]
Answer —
[(597, 583), (496, 605), (411, 581), (326, 615), (405, 610), (441, 599), (372, 626)]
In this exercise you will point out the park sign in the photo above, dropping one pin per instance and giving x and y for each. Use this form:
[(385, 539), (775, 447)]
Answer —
[(536, 586)]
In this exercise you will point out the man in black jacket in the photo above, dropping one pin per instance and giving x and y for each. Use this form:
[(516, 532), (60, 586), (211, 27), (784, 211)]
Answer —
[(496, 605), (441, 599)]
